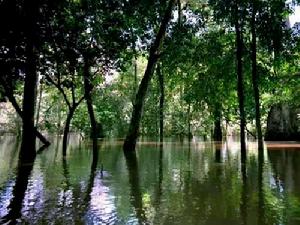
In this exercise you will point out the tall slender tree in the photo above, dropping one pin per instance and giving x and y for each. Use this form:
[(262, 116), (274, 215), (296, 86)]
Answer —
[(240, 85), (133, 131), (160, 77), (255, 78)]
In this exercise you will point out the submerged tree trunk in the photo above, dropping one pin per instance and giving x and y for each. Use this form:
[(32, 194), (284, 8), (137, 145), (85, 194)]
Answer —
[(161, 102), (240, 85), (88, 89), (133, 131), (67, 129), (255, 80), (217, 130), (28, 135)]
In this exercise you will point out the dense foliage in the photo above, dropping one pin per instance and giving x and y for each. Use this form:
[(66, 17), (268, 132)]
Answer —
[(97, 51)]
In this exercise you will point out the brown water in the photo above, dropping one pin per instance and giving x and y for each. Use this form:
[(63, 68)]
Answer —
[(179, 183)]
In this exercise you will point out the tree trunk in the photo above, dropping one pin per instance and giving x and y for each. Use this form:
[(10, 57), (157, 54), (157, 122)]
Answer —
[(161, 102), (89, 102), (240, 84), (283, 123), (255, 80), (217, 135), (67, 129), (39, 105), (190, 135), (59, 117), (135, 79), (132, 135), (28, 135), (16, 106)]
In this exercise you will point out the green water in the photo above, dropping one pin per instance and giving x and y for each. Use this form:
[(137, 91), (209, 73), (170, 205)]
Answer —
[(179, 183)]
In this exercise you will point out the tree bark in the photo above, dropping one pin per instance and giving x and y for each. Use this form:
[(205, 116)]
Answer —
[(67, 129), (255, 80), (133, 131), (89, 102), (161, 102), (240, 84), (28, 135)]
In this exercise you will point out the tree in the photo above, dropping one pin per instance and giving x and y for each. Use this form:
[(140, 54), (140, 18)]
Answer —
[(255, 75), (160, 77), (132, 135), (92, 40)]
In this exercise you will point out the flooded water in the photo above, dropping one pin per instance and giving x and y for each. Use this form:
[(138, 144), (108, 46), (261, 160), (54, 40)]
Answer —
[(178, 183)]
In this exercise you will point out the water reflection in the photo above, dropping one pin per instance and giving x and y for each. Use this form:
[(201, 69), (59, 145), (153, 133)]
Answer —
[(134, 182), (18, 193), (285, 184), (174, 183), (160, 175), (261, 202), (244, 194), (218, 152)]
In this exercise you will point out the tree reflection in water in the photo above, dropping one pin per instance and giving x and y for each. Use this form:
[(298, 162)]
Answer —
[(200, 183), (261, 202), (24, 170), (134, 182)]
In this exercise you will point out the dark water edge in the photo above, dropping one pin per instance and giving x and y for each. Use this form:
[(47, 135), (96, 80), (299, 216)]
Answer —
[(174, 183)]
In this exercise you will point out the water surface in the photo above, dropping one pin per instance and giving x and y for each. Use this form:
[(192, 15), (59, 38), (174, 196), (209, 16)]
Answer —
[(178, 183)]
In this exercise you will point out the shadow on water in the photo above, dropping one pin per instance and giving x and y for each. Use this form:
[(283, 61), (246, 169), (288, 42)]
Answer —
[(23, 173), (134, 182)]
